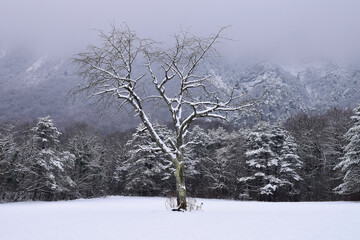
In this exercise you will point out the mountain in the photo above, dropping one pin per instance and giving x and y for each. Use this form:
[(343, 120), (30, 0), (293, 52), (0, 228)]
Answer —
[(283, 93), (331, 85), (35, 85), (289, 89)]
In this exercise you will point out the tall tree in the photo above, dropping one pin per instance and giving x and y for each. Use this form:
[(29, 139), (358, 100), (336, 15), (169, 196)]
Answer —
[(145, 170), (320, 143), (221, 165), (115, 156), (9, 163), (273, 163), (196, 155), (289, 163), (350, 163), (113, 72), (46, 176), (88, 173), (262, 164)]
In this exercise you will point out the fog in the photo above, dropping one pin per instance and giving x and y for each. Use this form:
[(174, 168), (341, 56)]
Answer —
[(287, 29)]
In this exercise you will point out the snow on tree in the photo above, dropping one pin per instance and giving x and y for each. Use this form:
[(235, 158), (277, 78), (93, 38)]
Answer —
[(88, 172), (215, 164), (115, 73), (261, 162), (47, 178), (320, 140), (9, 163), (197, 153), (115, 153), (272, 162), (285, 148), (350, 162), (220, 168), (147, 171), (7, 144)]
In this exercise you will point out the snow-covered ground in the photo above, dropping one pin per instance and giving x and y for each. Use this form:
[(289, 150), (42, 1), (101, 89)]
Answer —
[(147, 218)]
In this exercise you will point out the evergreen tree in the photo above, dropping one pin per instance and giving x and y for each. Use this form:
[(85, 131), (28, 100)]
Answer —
[(147, 170), (197, 155), (46, 177), (261, 163), (289, 163), (272, 161), (350, 163), (221, 166)]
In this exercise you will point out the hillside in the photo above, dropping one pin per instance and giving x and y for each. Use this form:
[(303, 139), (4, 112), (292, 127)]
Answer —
[(33, 85)]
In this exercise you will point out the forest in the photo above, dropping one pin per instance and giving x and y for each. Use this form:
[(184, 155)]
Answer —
[(307, 157)]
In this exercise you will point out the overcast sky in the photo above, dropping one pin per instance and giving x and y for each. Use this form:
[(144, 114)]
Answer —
[(268, 28)]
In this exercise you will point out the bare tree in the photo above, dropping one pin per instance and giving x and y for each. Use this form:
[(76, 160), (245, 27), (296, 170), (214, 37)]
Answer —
[(113, 72)]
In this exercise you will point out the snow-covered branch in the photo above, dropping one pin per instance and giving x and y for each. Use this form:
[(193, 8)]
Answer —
[(109, 71)]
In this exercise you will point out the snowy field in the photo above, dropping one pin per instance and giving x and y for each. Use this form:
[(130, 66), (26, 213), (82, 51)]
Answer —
[(147, 218)]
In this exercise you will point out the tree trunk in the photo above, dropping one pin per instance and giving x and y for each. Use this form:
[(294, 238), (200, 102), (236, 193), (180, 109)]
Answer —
[(180, 186), (34, 195)]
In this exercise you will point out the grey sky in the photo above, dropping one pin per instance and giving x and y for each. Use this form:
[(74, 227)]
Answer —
[(267, 28)]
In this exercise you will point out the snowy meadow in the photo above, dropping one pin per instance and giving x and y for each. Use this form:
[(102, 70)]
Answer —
[(147, 218), (252, 107)]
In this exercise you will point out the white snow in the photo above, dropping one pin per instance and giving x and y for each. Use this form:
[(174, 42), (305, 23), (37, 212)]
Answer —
[(218, 82), (37, 64), (147, 218)]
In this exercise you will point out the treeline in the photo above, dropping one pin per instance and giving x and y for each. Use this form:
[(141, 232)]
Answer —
[(304, 159)]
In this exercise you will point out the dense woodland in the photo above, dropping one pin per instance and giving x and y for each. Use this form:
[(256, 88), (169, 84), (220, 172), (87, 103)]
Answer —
[(308, 157)]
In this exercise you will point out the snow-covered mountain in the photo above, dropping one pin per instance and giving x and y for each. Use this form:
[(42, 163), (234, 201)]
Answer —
[(331, 85), (33, 85), (289, 89), (283, 93)]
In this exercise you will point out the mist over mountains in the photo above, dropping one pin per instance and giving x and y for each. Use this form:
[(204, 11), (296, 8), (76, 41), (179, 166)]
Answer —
[(303, 87), (33, 85)]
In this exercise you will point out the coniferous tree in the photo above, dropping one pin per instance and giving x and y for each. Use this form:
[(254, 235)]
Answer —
[(273, 163), (221, 166), (196, 154), (46, 178), (289, 163), (262, 164), (350, 163), (147, 170)]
